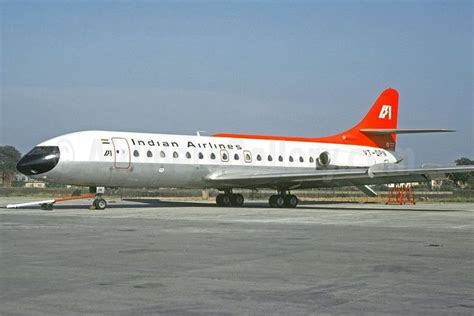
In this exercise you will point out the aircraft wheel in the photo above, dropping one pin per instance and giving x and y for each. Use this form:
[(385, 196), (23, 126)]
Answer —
[(280, 201), (291, 201), (219, 199), (226, 200), (46, 207), (271, 201), (100, 203), (237, 199)]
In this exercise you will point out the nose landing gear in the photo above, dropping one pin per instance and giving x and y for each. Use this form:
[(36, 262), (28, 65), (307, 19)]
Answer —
[(99, 202)]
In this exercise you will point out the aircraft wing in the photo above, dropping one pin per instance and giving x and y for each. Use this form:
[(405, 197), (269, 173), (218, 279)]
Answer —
[(377, 174)]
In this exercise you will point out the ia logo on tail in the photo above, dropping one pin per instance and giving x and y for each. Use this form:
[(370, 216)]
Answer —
[(386, 110)]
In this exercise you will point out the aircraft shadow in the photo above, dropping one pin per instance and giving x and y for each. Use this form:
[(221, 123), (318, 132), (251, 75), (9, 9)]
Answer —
[(306, 205), (316, 205)]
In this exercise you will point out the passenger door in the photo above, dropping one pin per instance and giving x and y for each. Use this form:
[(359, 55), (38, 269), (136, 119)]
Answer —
[(122, 153)]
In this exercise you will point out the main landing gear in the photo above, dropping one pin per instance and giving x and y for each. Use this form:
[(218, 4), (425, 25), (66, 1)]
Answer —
[(229, 199), (283, 199)]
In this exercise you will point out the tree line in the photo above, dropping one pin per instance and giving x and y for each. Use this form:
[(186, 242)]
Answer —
[(9, 156)]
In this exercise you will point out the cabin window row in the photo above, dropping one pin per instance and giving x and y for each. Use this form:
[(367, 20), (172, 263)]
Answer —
[(225, 156)]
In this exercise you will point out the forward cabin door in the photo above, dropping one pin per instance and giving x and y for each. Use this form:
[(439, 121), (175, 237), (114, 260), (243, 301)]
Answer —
[(122, 153)]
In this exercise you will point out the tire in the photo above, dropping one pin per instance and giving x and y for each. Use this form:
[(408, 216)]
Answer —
[(100, 204), (237, 200), (46, 207), (226, 199), (219, 200), (271, 201), (280, 201), (291, 201)]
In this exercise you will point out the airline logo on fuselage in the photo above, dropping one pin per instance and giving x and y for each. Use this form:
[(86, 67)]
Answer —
[(385, 111), (190, 144)]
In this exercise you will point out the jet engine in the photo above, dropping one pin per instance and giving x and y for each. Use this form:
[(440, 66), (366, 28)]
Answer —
[(324, 159)]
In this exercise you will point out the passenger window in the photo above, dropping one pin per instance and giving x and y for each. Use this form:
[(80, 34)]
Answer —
[(149, 154), (270, 158), (201, 156), (291, 158), (188, 155), (247, 156), (224, 155), (162, 154), (213, 156), (259, 158), (311, 159), (175, 154), (301, 159), (136, 153), (280, 158), (236, 157)]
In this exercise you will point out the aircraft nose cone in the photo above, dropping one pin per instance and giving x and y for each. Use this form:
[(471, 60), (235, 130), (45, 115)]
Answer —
[(39, 160)]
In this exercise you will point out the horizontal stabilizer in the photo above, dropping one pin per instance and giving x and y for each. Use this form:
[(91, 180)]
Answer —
[(386, 131)]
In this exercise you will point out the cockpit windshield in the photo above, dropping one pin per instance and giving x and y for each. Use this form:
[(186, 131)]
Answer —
[(39, 160)]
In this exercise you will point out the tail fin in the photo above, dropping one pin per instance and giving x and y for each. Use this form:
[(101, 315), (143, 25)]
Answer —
[(377, 129), (382, 115), (384, 112)]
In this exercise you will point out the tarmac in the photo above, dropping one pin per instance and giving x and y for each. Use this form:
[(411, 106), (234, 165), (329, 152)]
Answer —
[(194, 258)]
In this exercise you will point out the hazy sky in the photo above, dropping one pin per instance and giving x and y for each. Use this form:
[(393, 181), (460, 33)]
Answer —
[(273, 67)]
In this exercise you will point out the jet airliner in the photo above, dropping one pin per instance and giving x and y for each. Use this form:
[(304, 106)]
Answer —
[(361, 156)]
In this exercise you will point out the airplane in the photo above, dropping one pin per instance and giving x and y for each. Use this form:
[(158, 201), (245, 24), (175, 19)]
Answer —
[(361, 156)]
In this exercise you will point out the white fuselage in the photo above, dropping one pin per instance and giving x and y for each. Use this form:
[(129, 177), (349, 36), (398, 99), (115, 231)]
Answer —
[(124, 159)]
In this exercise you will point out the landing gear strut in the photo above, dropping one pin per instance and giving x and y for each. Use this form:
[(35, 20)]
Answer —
[(229, 199), (283, 199)]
